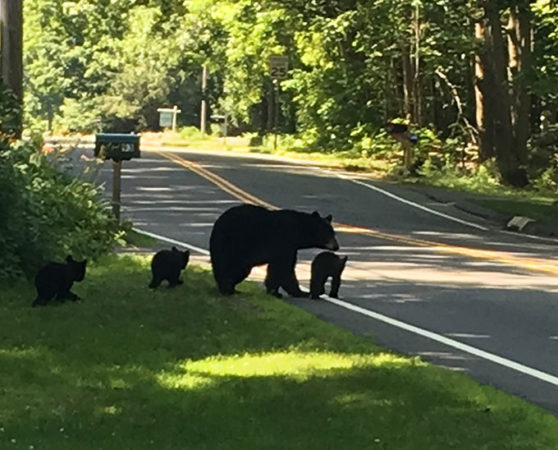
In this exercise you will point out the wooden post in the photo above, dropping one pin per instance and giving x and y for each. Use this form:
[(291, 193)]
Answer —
[(174, 114), (203, 113), (11, 37), (116, 171), (275, 112)]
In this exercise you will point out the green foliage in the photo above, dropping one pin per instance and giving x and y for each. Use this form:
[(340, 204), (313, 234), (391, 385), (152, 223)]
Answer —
[(111, 64), (46, 215), (543, 163), (9, 112)]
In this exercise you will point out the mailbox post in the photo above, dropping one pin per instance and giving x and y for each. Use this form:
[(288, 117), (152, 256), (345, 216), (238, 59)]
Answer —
[(118, 147)]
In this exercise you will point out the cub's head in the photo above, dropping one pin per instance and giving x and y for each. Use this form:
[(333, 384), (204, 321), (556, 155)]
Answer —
[(324, 235), (185, 256), (77, 268)]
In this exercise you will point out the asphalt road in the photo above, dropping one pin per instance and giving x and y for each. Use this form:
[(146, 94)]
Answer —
[(438, 282)]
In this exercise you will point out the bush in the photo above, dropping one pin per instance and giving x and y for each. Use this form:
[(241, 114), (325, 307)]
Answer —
[(45, 215), (192, 133), (543, 160), (9, 113)]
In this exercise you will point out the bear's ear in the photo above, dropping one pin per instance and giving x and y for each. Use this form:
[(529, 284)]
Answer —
[(69, 258), (329, 218), (174, 249), (315, 214), (344, 259)]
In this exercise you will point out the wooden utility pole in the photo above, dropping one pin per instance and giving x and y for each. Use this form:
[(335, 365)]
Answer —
[(11, 45), (203, 113)]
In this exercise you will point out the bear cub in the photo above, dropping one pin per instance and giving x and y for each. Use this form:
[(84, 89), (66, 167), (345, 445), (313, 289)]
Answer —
[(56, 279), (166, 265), (325, 265)]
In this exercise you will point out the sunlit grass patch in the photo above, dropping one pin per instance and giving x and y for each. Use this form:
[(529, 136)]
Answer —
[(184, 368), (295, 364)]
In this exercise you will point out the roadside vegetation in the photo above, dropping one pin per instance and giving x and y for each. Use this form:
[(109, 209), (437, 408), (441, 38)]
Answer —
[(475, 80), (129, 367)]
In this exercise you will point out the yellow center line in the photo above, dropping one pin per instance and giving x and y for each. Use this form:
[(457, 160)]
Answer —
[(493, 255)]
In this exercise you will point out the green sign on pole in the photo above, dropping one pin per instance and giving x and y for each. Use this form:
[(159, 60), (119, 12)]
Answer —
[(165, 119)]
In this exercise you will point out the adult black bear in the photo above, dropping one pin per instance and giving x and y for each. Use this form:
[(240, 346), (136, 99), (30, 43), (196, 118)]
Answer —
[(247, 235), (326, 265), (166, 265), (56, 279)]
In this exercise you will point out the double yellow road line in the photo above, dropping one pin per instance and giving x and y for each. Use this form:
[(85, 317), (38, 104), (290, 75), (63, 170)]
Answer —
[(491, 255)]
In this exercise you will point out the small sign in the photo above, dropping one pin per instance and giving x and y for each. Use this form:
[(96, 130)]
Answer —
[(165, 119), (278, 66)]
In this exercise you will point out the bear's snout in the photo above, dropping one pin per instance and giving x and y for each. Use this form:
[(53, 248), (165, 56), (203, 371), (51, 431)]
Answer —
[(332, 245)]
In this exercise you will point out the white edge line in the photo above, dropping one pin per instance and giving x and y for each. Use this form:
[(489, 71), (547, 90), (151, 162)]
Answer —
[(402, 325), (416, 205), (203, 251), (446, 341)]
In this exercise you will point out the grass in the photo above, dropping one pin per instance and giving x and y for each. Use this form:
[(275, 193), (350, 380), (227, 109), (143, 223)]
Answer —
[(131, 368), (542, 210), (135, 239)]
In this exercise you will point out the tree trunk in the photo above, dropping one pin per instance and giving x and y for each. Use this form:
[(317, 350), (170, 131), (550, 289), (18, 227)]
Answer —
[(11, 60), (417, 112), (507, 158), (408, 84), (483, 99), (520, 52)]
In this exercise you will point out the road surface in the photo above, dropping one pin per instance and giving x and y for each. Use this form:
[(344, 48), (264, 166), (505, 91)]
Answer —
[(423, 278)]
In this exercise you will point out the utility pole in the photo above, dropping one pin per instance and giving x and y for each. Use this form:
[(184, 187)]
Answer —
[(203, 113), (11, 47)]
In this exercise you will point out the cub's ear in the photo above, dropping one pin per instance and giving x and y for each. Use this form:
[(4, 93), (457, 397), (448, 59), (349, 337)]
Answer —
[(329, 218), (344, 259), (174, 249), (186, 252), (69, 258), (315, 214)]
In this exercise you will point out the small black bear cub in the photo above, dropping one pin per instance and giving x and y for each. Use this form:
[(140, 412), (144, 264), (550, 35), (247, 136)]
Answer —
[(166, 265), (325, 265), (56, 279)]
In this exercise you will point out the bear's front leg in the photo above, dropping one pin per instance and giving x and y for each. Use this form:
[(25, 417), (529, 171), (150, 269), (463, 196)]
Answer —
[(272, 281), (289, 282)]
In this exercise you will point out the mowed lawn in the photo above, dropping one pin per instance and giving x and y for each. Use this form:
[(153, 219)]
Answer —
[(130, 368)]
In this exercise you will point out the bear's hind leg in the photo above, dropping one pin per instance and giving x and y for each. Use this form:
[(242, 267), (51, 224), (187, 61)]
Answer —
[(174, 279), (40, 301), (317, 287), (335, 284), (155, 282)]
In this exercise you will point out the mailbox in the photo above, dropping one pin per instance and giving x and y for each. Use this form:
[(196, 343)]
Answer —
[(117, 146)]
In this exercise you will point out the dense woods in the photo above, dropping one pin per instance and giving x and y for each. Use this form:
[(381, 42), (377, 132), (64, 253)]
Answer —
[(479, 77)]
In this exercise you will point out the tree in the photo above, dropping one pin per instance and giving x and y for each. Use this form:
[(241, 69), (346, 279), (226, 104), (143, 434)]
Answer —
[(11, 29)]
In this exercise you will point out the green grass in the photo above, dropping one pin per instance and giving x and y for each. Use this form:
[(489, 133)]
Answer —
[(131, 368), (135, 239)]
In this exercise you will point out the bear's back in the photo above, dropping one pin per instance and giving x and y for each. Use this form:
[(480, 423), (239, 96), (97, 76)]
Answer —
[(52, 278), (327, 263)]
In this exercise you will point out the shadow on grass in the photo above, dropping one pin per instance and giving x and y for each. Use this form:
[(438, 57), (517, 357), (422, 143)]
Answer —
[(185, 368)]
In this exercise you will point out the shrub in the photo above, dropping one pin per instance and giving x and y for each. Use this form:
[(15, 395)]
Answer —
[(45, 214)]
